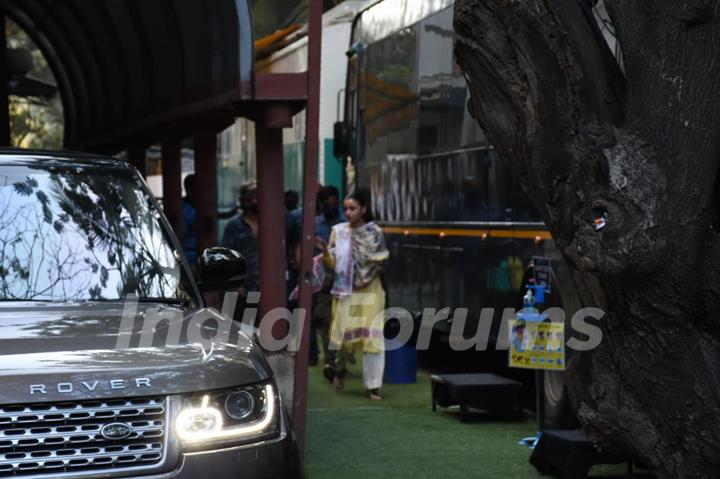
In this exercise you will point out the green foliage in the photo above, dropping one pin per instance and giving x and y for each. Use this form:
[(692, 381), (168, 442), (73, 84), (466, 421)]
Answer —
[(34, 122)]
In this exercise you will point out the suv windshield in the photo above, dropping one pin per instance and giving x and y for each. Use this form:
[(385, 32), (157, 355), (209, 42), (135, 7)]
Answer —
[(79, 233)]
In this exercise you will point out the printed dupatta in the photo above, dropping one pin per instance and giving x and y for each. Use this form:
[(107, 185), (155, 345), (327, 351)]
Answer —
[(359, 254)]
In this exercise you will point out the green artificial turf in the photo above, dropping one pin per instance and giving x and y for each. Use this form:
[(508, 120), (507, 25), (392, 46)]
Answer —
[(350, 436)]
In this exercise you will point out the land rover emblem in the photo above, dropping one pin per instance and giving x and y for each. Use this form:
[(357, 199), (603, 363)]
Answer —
[(116, 431)]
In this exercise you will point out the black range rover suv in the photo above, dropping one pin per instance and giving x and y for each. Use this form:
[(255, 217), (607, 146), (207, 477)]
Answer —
[(112, 366)]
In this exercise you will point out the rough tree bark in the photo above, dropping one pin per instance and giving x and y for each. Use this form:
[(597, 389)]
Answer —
[(643, 146)]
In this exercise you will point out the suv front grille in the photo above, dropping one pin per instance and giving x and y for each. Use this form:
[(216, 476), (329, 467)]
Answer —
[(66, 437)]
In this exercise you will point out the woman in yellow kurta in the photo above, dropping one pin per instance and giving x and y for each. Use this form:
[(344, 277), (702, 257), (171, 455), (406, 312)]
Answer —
[(356, 252)]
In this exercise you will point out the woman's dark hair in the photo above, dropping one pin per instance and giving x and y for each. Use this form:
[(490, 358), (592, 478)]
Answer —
[(362, 198)]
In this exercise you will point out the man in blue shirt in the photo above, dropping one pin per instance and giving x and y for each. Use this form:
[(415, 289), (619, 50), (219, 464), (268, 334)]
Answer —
[(189, 242), (329, 198), (329, 201)]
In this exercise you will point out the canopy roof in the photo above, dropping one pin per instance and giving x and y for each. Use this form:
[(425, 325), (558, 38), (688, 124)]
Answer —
[(131, 71)]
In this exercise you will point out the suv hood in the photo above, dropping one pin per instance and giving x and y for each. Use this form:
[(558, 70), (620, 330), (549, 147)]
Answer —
[(70, 352)]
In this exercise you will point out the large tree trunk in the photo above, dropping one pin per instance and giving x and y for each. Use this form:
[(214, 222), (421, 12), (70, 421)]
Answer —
[(586, 139)]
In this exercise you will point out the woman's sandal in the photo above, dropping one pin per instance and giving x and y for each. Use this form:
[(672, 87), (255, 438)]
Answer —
[(339, 379), (374, 395)]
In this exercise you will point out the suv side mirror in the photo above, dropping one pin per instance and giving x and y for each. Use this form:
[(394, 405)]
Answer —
[(221, 268), (341, 140)]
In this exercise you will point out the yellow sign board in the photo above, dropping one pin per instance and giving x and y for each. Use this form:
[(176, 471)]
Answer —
[(537, 345)]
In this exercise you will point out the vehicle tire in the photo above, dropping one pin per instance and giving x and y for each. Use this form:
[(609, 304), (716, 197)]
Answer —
[(559, 412)]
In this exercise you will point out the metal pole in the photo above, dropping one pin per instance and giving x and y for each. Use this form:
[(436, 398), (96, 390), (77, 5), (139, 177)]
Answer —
[(271, 222), (308, 226), (206, 189), (540, 398), (171, 178), (4, 90)]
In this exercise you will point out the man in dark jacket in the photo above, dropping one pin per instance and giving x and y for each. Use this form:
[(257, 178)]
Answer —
[(241, 233)]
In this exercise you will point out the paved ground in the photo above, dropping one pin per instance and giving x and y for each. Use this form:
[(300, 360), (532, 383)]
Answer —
[(400, 437)]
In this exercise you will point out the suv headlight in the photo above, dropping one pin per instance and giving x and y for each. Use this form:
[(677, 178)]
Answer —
[(228, 417)]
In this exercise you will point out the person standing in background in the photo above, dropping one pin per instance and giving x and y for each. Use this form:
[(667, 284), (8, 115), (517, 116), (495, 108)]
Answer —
[(329, 199), (329, 211), (241, 232), (291, 200), (189, 213)]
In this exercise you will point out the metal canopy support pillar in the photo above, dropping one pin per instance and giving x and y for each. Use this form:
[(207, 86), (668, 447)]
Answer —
[(171, 178), (308, 226), (271, 223), (271, 238), (206, 189), (4, 89), (136, 156)]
